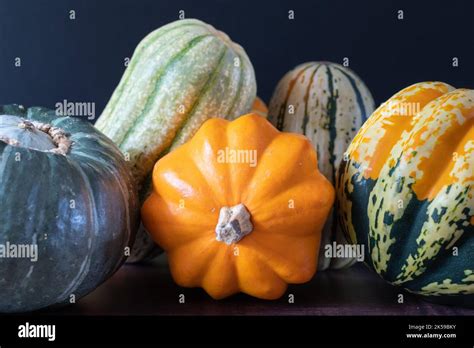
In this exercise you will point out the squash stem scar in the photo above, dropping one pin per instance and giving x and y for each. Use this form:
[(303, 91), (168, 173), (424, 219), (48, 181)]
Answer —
[(59, 137), (233, 224)]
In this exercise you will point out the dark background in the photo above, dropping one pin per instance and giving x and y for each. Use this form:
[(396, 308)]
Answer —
[(82, 60)]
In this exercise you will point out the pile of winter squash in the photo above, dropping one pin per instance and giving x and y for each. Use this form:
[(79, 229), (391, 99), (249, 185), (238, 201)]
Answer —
[(241, 198)]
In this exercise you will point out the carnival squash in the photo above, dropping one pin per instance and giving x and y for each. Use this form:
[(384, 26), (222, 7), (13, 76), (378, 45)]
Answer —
[(68, 208), (327, 103), (239, 208), (407, 191)]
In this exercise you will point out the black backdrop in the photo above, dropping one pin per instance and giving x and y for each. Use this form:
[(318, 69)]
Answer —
[(82, 60)]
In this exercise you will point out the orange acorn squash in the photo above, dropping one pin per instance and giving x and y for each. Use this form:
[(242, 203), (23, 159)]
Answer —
[(239, 208)]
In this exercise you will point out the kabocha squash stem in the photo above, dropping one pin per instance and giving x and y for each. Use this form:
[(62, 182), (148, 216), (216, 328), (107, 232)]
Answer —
[(58, 136)]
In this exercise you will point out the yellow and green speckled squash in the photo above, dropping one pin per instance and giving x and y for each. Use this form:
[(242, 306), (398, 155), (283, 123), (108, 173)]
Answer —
[(328, 103), (407, 191)]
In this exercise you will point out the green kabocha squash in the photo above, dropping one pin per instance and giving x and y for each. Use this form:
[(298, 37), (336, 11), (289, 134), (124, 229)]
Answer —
[(328, 103), (407, 191), (179, 76), (68, 208)]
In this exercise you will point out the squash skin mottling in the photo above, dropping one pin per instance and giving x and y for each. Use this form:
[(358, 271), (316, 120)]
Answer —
[(413, 174), (179, 76)]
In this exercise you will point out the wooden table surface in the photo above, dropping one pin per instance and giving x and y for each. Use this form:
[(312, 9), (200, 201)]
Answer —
[(150, 290)]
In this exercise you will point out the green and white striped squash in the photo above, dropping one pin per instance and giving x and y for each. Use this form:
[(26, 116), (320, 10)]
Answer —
[(179, 76), (407, 191), (328, 103)]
